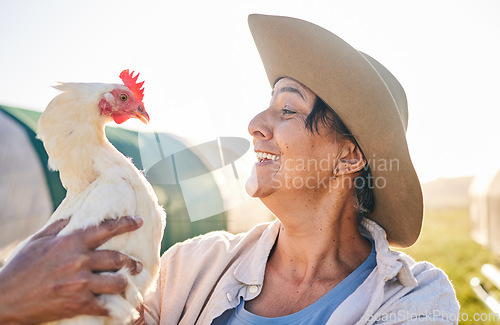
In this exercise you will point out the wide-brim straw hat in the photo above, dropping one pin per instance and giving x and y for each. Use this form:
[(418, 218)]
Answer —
[(368, 99)]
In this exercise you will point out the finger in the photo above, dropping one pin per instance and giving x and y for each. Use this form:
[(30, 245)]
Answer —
[(96, 309), (95, 236), (90, 305), (52, 229), (107, 283), (111, 261)]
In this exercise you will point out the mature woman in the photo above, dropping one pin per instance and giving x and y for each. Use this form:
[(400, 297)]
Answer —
[(334, 168)]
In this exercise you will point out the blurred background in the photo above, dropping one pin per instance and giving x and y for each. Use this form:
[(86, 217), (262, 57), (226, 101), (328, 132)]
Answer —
[(205, 81)]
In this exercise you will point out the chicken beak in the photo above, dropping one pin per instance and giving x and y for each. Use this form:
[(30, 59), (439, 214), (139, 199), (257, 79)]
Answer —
[(142, 115)]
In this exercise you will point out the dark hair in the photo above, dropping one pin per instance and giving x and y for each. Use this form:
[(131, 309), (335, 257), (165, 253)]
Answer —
[(363, 187)]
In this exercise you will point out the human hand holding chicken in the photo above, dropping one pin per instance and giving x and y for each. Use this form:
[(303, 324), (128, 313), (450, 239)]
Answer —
[(54, 277), (103, 184)]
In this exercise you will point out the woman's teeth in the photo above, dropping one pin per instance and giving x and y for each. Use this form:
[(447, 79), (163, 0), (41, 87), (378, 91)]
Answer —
[(263, 155)]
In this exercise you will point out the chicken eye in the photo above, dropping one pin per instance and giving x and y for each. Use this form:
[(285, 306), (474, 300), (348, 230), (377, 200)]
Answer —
[(123, 97)]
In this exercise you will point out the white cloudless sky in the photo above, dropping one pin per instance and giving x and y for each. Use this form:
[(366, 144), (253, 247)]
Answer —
[(204, 77)]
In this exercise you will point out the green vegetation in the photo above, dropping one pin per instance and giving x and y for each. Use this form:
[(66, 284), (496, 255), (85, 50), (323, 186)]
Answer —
[(445, 242)]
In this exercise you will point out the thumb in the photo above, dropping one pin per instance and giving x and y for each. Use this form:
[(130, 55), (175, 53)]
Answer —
[(53, 229)]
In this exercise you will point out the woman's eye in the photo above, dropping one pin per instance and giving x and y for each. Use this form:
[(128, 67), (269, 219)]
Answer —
[(286, 111), (123, 97)]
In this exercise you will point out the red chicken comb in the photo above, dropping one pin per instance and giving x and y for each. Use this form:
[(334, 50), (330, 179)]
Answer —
[(131, 82)]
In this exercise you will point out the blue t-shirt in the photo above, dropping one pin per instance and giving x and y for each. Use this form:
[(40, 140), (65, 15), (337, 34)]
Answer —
[(317, 313)]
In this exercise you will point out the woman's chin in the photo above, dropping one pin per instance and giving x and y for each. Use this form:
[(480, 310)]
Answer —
[(255, 188), (252, 186)]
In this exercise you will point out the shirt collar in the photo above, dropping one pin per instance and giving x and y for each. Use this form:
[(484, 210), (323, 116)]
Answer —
[(391, 263), (251, 269)]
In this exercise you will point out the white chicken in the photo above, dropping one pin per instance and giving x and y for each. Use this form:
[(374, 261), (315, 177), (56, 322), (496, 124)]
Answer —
[(101, 183)]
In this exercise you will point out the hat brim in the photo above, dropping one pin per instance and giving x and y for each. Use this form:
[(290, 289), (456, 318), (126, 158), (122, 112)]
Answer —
[(346, 80)]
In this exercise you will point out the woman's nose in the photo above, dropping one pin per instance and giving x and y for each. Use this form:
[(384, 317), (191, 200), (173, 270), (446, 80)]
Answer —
[(259, 127)]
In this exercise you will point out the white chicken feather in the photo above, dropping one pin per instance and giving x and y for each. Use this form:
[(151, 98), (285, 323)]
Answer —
[(101, 183)]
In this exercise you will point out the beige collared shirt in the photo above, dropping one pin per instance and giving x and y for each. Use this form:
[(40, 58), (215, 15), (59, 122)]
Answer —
[(207, 275)]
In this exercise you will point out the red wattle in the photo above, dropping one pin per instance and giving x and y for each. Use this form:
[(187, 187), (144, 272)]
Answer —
[(119, 119)]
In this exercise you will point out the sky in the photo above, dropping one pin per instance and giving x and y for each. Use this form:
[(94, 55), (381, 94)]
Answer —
[(204, 78)]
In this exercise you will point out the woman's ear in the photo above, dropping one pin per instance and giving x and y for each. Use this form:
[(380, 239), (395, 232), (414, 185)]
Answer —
[(351, 160)]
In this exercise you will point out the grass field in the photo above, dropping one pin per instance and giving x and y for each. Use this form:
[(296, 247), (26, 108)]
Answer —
[(446, 242)]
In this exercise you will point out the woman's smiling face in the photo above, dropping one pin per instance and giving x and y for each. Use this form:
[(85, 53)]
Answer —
[(290, 157)]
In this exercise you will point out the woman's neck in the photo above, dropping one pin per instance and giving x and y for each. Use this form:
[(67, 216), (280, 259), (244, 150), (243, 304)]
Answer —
[(319, 237)]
